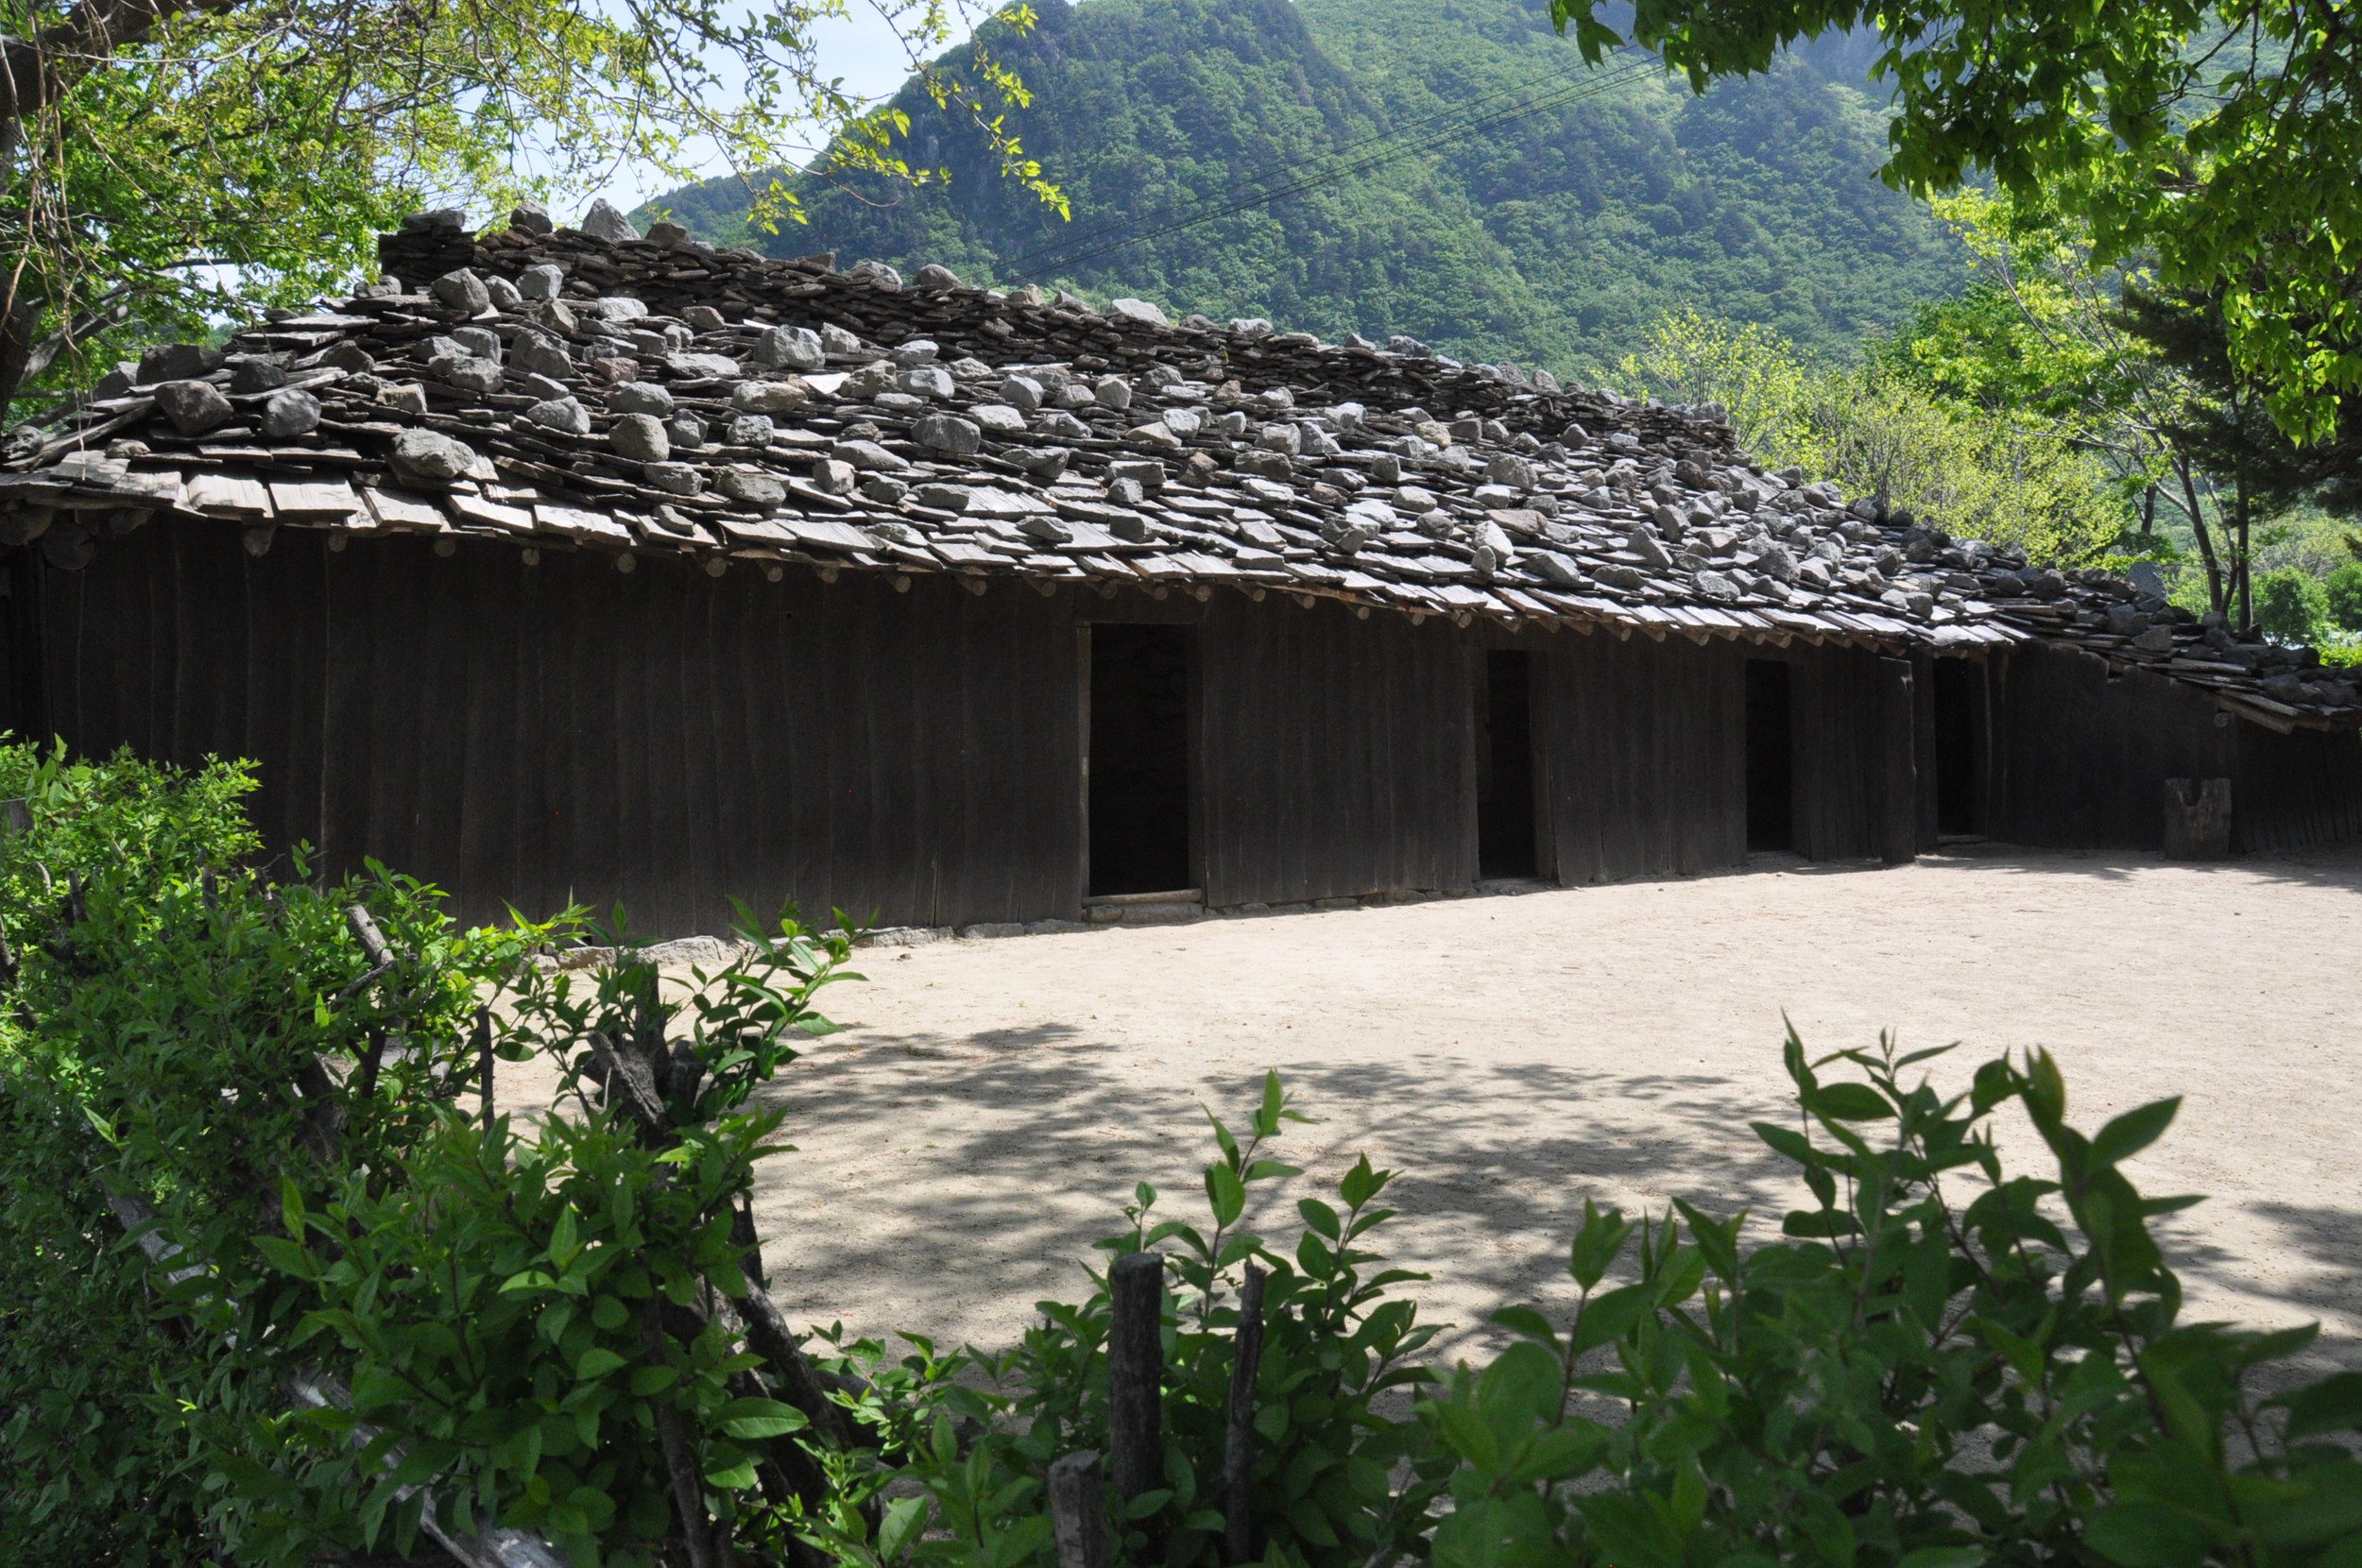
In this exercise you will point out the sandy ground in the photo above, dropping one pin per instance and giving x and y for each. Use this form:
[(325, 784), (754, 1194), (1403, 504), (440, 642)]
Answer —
[(990, 1105)]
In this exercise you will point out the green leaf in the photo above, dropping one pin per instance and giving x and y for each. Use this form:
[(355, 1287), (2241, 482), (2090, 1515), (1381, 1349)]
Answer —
[(596, 1362), (1848, 1102), (2134, 1130), (904, 1520), (1225, 1193), (2331, 1405), (1525, 1320), (2144, 1535), (756, 1419), (1318, 1218), (737, 1476)]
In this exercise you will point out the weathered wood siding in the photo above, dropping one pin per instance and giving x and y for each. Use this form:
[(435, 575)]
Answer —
[(1338, 754), (1643, 756), (535, 734), (2082, 756)]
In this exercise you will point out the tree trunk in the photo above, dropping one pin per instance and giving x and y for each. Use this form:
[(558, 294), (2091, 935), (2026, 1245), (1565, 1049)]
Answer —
[(20, 333)]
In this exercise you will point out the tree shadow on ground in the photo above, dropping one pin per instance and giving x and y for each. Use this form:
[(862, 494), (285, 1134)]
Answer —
[(946, 1182)]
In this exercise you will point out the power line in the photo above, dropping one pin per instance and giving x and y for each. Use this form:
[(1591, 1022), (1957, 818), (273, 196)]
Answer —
[(1090, 247), (1077, 240)]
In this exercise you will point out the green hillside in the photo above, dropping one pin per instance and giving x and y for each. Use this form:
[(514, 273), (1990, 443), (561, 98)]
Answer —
[(1548, 237)]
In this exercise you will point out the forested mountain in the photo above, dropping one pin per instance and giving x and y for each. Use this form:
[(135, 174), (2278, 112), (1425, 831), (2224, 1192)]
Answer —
[(1454, 172)]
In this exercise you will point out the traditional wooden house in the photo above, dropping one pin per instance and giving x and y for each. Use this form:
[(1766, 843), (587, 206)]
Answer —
[(608, 568)]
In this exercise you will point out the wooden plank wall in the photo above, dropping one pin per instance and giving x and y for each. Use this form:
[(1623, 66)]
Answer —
[(1841, 766), (1643, 750), (2082, 757), (532, 734), (1337, 753)]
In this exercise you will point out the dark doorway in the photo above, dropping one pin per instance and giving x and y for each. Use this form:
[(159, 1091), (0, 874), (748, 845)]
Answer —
[(1770, 757), (1959, 713), (1504, 752), (1139, 760)]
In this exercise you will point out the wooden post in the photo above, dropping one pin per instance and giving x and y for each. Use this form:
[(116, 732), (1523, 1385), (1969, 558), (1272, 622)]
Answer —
[(1078, 1511), (1135, 1373), (1238, 1458)]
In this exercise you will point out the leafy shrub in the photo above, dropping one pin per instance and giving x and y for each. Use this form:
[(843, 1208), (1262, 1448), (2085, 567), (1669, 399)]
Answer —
[(2291, 605), (2343, 587), (539, 1328), (1910, 1378), (1906, 1377)]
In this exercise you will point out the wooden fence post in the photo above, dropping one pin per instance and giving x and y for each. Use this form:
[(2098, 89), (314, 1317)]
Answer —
[(1238, 1458), (1078, 1511), (1135, 1373)]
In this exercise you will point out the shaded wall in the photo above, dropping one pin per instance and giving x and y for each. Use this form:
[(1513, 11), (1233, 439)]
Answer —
[(2080, 757), (538, 733), (568, 731)]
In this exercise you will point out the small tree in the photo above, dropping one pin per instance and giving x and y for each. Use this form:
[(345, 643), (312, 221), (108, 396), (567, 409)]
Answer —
[(165, 159)]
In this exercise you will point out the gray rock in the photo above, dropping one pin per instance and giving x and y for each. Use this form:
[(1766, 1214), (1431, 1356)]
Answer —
[(795, 348), (193, 407), (619, 307), (700, 366), (1043, 463), (640, 396), (1717, 585), (750, 486), (836, 340), (1250, 326), (541, 282), (462, 291), (870, 380), (482, 342), (1509, 469), (1652, 552), (686, 430), (1281, 437), (1185, 421), (250, 373), (879, 274), (884, 490), (470, 373), (925, 381), (505, 296), (603, 222), (667, 235), (2124, 621), (943, 498), (998, 421), (769, 396), (530, 217), (178, 362), (404, 398), (2157, 640), (949, 434), (1148, 476), (869, 457), (1774, 562), (1153, 436), (750, 429), (1112, 392), (1140, 311), (1057, 422), (430, 457), (934, 278), (1126, 492), (539, 353), (290, 410), (565, 414), (640, 437), (439, 220), (831, 476), (1023, 393), (676, 479)]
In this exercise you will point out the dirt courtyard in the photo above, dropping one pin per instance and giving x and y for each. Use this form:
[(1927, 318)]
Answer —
[(983, 1116)]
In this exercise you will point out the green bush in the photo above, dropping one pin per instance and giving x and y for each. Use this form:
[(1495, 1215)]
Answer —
[(2344, 589), (1912, 1376), (2291, 605), (542, 1330)]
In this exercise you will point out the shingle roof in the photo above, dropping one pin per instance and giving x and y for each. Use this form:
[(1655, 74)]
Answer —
[(562, 391)]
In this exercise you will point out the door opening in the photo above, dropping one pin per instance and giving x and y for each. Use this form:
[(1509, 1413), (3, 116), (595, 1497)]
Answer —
[(1960, 760), (1770, 757), (1504, 749), (1139, 760)]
